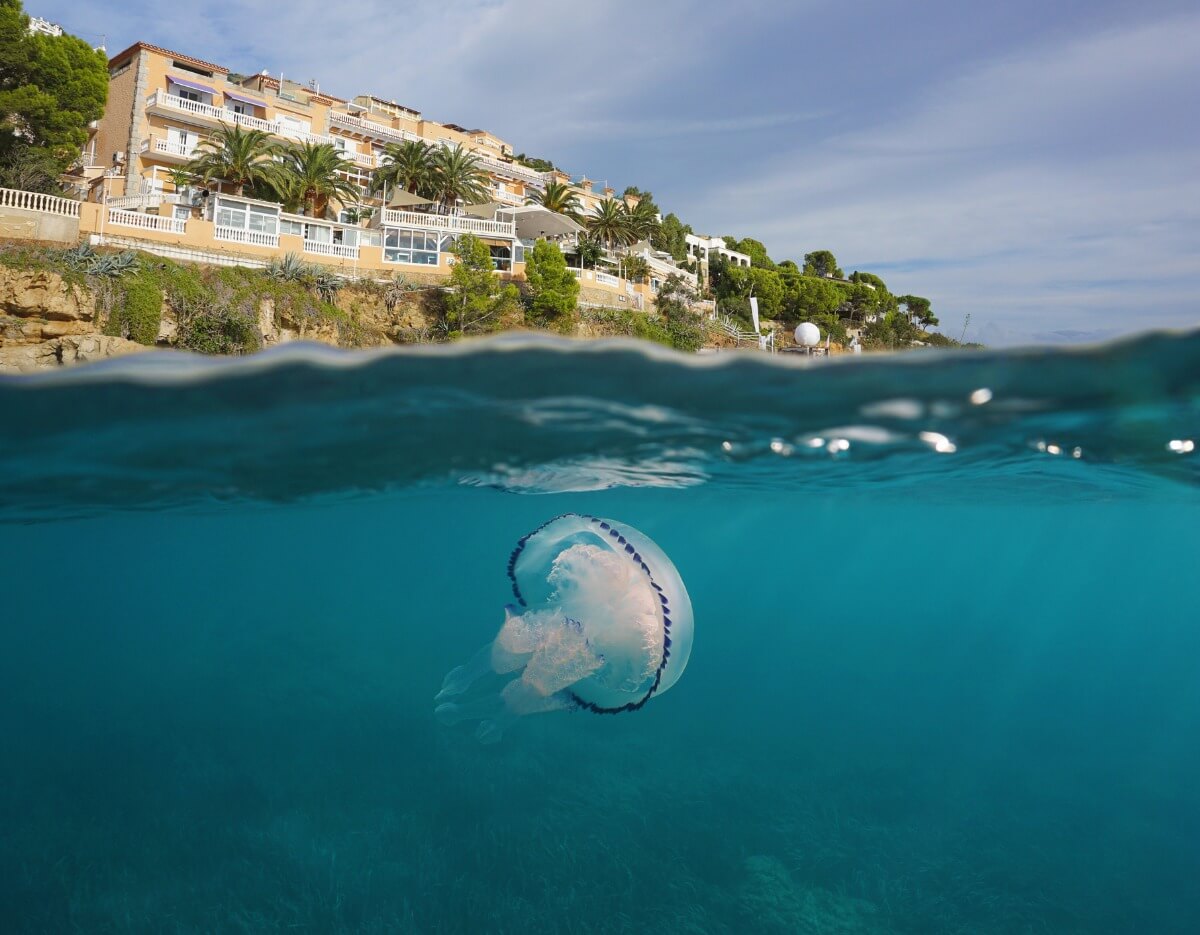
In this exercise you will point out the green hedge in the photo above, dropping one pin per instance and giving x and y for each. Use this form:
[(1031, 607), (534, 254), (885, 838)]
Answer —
[(137, 310)]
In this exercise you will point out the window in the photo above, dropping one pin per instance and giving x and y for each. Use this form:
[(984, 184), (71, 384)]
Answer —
[(263, 220), (501, 258), (317, 233), (182, 212), (404, 246), (291, 227), (242, 216), (188, 94), (184, 66), (231, 215)]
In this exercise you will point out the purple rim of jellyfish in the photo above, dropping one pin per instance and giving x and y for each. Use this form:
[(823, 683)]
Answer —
[(633, 555)]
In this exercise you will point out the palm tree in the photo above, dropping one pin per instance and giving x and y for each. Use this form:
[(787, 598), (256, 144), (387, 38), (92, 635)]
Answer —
[(643, 220), (407, 165), (311, 174), (558, 198), (237, 156), (610, 224), (457, 177)]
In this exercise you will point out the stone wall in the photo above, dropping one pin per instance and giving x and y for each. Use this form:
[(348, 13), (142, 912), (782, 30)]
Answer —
[(20, 224)]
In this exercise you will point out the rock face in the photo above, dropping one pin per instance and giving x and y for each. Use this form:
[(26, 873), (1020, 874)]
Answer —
[(42, 294), (62, 352)]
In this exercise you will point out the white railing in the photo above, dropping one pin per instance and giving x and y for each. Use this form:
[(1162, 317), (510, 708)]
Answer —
[(124, 202), (345, 251), (369, 126), (577, 273), (512, 169), (223, 114), (240, 235), (36, 201), (150, 222), (508, 198), (169, 148), (183, 105), (607, 278), (448, 222), (302, 135), (362, 159)]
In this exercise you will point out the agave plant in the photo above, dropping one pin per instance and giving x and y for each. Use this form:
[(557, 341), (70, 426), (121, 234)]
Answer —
[(290, 268), (327, 285), (396, 290), (79, 258), (112, 265)]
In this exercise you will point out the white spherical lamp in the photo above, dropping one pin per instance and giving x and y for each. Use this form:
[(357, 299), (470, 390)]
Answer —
[(808, 334)]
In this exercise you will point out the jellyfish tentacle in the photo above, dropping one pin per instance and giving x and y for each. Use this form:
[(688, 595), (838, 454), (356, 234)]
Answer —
[(460, 679), (476, 709)]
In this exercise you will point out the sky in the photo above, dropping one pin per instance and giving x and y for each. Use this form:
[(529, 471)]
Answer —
[(1034, 166)]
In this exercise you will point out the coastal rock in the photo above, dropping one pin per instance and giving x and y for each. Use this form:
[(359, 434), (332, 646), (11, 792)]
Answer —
[(37, 293), (64, 351)]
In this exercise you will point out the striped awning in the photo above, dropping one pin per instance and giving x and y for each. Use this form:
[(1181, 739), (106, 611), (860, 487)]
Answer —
[(194, 85), (254, 102)]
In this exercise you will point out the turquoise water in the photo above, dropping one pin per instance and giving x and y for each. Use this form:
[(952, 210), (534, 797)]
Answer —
[(931, 691)]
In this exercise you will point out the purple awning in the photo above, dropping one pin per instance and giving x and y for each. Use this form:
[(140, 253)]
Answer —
[(194, 85), (245, 100)]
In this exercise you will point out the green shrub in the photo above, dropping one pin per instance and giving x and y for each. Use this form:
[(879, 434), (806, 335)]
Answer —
[(219, 330), (137, 312)]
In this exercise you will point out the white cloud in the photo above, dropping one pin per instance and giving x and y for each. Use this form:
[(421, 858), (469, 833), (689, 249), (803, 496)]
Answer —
[(1009, 190)]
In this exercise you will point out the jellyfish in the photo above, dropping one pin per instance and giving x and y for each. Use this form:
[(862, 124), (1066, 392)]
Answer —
[(601, 622)]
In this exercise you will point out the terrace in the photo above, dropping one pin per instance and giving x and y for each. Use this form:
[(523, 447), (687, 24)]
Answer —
[(163, 102), (371, 128), (455, 223)]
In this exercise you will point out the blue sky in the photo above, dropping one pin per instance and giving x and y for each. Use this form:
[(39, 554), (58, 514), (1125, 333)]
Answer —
[(1034, 165)]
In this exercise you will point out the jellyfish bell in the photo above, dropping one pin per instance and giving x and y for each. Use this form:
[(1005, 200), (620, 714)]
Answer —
[(601, 621)]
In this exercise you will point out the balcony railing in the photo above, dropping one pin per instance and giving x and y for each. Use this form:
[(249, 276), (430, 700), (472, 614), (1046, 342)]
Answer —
[(224, 115), (125, 202), (447, 222), (150, 222), (196, 109), (345, 251), (607, 278), (367, 160), (169, 148), (241, 235), (373, 128), (508, 198), (511, 169), (35, 201)]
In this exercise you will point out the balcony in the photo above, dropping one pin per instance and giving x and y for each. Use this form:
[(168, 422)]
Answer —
[(205, 113), (511, 170), (168, 150), (371, 128), (345, 251), (508, 198), (150, 222), (130, 202), (365, 160), (444, 222), (240, 235)]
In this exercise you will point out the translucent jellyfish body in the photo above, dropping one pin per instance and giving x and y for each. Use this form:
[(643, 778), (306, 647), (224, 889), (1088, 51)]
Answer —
[(602, 622)]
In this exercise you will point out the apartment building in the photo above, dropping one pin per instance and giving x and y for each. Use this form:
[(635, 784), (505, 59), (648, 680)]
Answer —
[(162, 104), (703, 247)]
